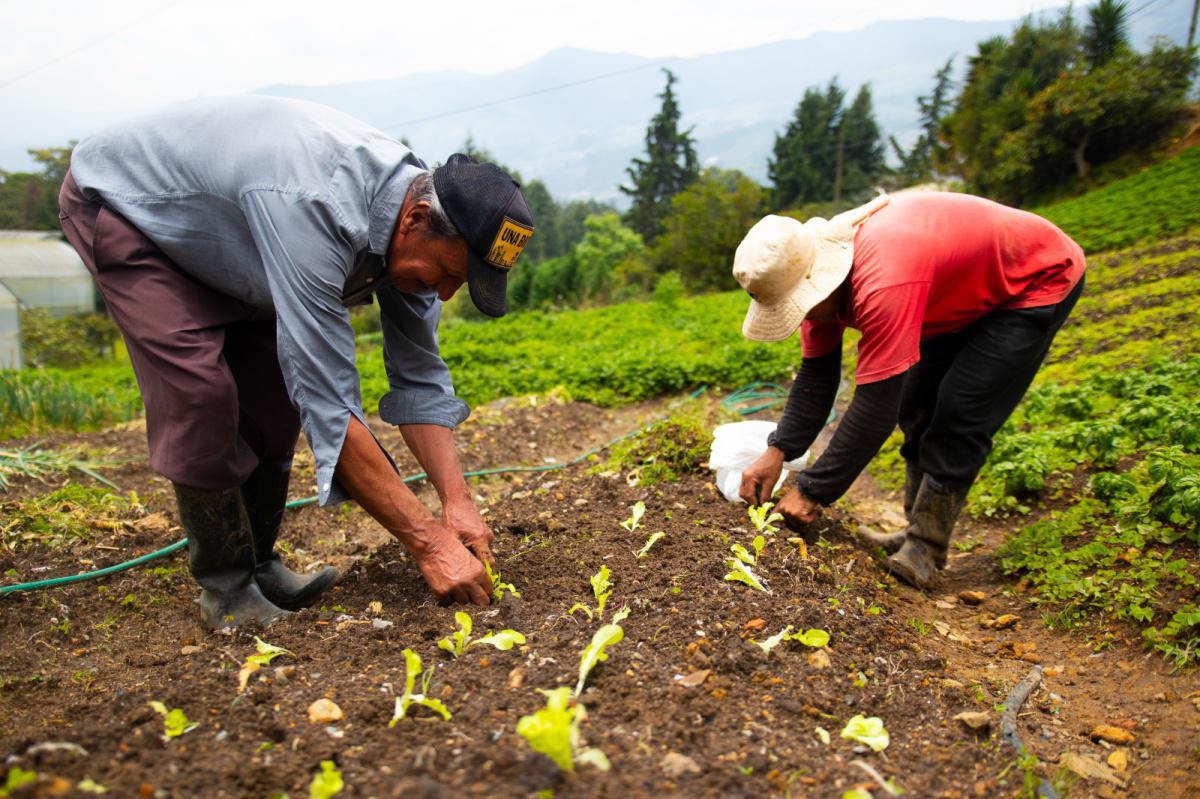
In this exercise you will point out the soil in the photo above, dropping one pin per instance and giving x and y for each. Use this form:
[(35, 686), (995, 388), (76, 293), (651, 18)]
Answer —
[(685, 705)]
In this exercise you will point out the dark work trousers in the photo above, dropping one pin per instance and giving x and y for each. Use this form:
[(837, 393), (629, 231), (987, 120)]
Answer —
[(206, 363), (968, 383)]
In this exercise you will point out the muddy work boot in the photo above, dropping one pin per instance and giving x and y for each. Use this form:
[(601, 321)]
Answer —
[(221, 558), (891, 542), (265, 494), (934, 513)]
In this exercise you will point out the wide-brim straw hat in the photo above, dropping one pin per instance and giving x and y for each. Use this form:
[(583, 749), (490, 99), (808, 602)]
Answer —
[(787, 267)]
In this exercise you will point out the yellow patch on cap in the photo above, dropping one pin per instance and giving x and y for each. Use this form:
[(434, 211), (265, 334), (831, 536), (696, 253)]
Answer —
[(509, 242)]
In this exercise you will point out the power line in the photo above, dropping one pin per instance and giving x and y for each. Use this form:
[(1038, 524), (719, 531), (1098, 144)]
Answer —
[(533, 93), (92, 43), (582, 81)]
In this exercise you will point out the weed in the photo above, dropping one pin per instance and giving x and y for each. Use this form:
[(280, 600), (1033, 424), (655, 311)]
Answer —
[(72, 513)]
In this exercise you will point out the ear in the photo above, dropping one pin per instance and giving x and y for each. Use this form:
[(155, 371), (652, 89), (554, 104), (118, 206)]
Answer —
[(413, 216)]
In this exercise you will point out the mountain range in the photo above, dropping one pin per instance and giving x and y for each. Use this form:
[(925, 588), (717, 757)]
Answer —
[(575, 118)]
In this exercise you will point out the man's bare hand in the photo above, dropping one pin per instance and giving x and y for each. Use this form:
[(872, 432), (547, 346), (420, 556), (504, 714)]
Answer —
[(462, 517), (797, 510), (759, 478), (450, 570)]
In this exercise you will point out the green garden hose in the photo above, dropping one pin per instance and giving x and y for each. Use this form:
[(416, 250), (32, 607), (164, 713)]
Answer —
[(755, 391)]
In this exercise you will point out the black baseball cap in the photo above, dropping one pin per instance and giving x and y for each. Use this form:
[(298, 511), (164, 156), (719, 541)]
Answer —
[(487, 207)]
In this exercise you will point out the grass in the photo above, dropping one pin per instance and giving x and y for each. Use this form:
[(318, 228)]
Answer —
[(72, 513)]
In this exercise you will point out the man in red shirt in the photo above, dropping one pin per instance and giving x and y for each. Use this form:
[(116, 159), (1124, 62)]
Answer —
[(957, 298)]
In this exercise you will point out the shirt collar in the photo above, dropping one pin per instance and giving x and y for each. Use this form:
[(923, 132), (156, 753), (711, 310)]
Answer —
[(385, 208)]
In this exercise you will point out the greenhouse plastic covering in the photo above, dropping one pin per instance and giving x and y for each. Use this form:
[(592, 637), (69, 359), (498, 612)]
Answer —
[(42, 271)]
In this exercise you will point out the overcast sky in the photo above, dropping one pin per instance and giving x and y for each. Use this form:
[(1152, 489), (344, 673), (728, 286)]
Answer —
[(87, 56)]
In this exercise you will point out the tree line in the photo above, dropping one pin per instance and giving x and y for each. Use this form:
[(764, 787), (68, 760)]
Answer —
[(1050, 110)]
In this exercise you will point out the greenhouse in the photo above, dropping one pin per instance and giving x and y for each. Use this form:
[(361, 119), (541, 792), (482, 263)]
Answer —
[(10, 330), (42, 271)]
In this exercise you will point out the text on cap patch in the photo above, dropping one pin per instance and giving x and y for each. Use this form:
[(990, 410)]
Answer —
[(509, 242)]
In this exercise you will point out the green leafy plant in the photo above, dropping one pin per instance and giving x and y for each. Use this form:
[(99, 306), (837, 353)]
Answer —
[(744, 556), (499, 587), (175, 721), (412, 670), (601, 589), (774, 641), (458, 642), (603, 638), (265, 654), (739, 572), (15, 778), (650, 542), (762, 518), (554, 732), (326, 783), (867, 730), (812, 638), (636, 513)]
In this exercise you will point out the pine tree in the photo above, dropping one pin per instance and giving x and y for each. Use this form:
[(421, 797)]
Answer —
[(922, 161), (859, 158), (827, 152), (802, 169), (1106, 33), (670, 166)]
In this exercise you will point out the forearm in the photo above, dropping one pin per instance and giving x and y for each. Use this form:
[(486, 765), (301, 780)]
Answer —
[(809, 402), (433, 446), (366, 473), (868, 422)]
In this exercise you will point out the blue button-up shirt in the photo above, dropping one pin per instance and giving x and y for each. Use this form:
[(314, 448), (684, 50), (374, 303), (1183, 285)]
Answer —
[(279, 203)]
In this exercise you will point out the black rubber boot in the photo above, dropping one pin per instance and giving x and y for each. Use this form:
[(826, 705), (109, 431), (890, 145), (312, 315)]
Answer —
[(891, 542), (912, 483), (265, 494), (221, 558), (927, 540)]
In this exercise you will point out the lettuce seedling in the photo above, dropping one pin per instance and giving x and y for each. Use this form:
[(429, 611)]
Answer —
[(739, 572), (774, 640), (601, 589), (498, 587), (460, 640), (745, 557), (175, 721), (869, 731), (637, 512), (266, 653), (651, 541), (813, 638), (605, 637), (412, 668), (554, 732), (326, 784), (17, 777), (762, 519)]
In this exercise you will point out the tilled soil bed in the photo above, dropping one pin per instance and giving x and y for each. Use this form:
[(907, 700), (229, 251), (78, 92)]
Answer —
[(685, 705)]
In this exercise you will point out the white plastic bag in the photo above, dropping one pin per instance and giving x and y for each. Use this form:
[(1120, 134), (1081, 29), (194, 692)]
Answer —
[(735, 446)]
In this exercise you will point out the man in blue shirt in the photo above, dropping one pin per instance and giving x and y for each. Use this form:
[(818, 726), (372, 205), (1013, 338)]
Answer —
[(228, 237)]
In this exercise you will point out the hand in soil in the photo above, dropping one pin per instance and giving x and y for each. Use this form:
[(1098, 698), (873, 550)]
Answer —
[(463, 518), (758, 479), (797, 510), (451, 571)]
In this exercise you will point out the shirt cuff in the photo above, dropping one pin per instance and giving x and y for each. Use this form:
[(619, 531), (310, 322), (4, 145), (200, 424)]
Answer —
[(416, 406)]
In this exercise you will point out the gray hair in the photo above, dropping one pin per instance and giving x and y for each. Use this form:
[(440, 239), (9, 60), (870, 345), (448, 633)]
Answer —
[(421, 190)]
